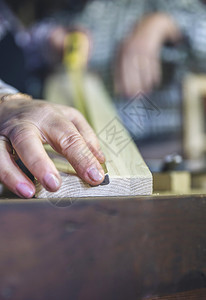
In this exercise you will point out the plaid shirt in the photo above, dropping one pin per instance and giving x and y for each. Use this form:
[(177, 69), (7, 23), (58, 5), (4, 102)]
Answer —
[(190, 16), (109, 21)]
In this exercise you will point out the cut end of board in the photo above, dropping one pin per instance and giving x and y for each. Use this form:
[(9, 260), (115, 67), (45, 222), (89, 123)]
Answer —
[(73, 187)]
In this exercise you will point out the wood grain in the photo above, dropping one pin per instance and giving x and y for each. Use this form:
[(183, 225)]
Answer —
[(128, 173)]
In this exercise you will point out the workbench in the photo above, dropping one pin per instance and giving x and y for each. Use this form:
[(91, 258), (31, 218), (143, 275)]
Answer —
[(136, 247), (105, 248)]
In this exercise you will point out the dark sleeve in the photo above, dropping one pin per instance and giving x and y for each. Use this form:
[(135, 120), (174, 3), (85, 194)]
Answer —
[(35, 44)]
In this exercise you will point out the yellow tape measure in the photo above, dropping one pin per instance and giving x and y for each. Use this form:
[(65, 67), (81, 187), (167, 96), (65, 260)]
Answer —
[(76, 51)]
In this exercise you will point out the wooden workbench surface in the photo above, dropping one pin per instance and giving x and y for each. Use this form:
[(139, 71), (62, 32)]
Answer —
[(118, 248)]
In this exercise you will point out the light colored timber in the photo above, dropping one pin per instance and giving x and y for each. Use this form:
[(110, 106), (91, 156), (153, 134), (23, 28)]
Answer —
[(194, 136), (177, 182), (128, 172)]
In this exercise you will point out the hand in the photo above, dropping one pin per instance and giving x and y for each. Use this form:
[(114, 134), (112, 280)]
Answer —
[(29, 124), (138, 65)]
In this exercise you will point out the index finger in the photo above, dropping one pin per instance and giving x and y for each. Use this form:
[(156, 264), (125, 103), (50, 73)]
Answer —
[(85, 130), (66, 139)]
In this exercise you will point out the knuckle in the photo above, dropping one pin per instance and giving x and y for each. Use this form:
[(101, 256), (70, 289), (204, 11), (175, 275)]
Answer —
[(37, 164), (68, 141), (20, 133), (74, 111), (76, 115), (46, 109), (46, 113)]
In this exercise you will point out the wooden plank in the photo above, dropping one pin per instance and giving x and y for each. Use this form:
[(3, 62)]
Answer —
[(194, 135), (178, 182), (128, 173), (198, 180), (134, 248)]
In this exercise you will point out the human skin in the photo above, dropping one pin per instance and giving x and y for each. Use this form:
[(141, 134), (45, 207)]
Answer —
[(27, 125), (138, 64)]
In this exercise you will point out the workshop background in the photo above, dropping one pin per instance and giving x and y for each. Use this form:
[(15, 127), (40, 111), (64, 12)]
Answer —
[(159, 126)]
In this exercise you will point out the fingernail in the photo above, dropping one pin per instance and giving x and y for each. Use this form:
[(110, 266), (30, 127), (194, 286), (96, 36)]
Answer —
[(25, 190), (51, 181), (94, 174)]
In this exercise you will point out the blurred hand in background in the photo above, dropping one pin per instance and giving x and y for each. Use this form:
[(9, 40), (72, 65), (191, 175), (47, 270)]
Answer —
[(138, 64)]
